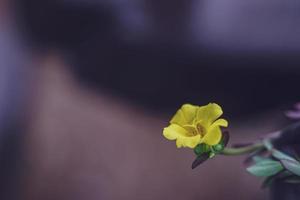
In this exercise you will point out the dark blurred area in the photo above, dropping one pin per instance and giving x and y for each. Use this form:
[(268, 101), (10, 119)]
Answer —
[(134, 62), (152, 69)]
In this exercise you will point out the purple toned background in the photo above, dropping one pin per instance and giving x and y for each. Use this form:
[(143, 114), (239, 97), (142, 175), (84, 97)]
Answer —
[(86, 88)]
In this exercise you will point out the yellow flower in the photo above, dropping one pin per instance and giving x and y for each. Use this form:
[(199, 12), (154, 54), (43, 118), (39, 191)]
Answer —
[(193, 125)]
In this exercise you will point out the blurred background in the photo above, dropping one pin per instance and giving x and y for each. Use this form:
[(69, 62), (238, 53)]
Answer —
[(86, 87)]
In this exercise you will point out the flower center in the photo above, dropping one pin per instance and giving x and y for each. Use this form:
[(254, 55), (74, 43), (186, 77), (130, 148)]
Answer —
[(195, 130), (200, 129), (191, 130)]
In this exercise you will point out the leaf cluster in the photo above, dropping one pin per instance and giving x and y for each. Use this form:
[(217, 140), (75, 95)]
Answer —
[(277, 165)]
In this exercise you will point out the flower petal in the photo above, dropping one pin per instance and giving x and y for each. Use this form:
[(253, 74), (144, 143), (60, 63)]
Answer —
[(174, 131), (209, 113), (213, 136), (220, 122), (185, 115), (190, 142)]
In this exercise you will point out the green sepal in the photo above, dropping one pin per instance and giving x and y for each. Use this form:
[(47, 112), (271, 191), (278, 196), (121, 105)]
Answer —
[(212, 154), (218, 148), (201, 148)]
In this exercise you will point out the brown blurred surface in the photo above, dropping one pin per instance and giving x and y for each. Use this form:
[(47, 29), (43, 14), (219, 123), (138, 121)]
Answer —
[(83, 145), (3, 8)]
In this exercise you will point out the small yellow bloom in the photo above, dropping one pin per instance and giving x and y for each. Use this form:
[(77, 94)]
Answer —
[(193, 125)]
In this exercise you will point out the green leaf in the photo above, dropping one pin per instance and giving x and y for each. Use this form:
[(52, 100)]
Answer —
[(258, 159), (292, 165), (265, 168), (199, 160), (268, 182), (281, 175), (225, 138), (267, 143), (282, 156), (284, 174)]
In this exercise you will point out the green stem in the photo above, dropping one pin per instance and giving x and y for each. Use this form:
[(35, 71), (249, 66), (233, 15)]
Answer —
[(242, 150)]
